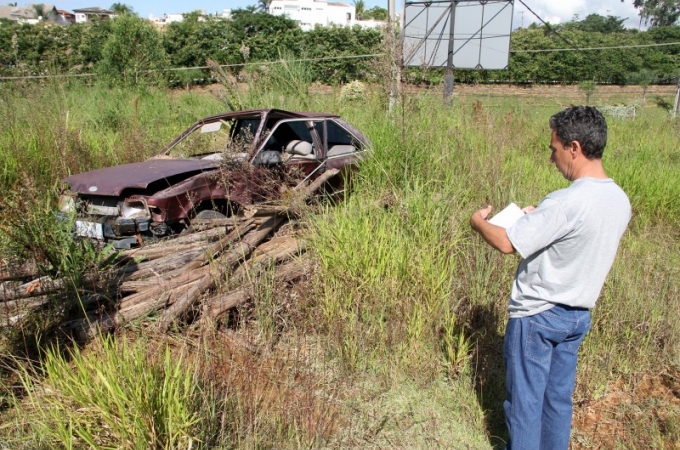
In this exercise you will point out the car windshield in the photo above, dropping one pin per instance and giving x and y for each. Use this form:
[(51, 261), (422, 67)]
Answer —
[(221, 139)]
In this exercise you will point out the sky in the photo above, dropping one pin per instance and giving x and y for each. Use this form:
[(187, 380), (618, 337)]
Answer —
[(554, 11)]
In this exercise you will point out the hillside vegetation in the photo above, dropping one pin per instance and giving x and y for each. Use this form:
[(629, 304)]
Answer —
[(129, 50), (396, 339)]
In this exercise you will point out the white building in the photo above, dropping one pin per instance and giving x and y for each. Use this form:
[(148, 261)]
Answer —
[(170, 18), (85, 14), (166, 19), (308, 13)]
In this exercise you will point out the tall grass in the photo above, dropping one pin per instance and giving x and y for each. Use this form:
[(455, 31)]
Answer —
[(113, 396), (408, 306), (57, 129), (399, 261)]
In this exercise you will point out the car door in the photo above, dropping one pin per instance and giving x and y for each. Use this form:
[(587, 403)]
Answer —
[(343, 150), (299, 147)]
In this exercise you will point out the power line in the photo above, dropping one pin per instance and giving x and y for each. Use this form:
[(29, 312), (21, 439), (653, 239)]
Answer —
[(594, 48), (35, 77), (280, 61), (328, 58), (174, 69), (547, 25)]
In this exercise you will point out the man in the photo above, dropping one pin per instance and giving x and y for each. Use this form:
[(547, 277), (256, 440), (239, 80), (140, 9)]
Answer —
[(568, 244)]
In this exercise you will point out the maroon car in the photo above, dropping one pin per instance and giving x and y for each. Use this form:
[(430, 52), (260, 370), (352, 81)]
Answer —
[(216, 167)]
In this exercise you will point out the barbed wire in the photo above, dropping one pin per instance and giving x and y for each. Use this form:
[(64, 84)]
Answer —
[(66, 75), (175, 69), (330, 58), (616, 47), (280, 61)]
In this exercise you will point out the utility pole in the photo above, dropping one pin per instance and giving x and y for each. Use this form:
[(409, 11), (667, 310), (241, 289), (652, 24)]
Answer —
[(395, 55), (677, 99), (448, 78), (521, 13)]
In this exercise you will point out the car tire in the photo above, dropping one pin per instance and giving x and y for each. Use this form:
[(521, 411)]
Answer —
[(206, 214), (209, 214)]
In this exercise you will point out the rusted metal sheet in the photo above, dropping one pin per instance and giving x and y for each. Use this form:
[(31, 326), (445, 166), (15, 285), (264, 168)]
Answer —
[(114, 180)]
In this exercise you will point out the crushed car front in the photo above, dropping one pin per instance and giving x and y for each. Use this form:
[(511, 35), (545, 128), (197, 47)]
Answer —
[(117, 203)]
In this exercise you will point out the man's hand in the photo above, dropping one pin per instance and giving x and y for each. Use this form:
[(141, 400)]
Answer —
[(480, 215), (493, 235)]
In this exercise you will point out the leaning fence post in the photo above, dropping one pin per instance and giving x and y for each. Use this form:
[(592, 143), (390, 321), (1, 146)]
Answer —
[(677, 99)]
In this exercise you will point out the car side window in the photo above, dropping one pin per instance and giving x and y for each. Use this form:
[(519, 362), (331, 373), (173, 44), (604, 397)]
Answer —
[(286, 132), (245, 130), (340, 141)]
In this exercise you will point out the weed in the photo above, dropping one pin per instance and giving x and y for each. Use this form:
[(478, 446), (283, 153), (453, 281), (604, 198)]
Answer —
[(109, 397)]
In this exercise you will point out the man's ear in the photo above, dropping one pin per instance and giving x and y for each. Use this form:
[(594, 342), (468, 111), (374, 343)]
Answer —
[(575, 148)]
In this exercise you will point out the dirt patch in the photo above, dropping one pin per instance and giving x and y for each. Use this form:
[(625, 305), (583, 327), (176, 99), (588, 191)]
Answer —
[(642, 414), (548, 96), (559, 90)]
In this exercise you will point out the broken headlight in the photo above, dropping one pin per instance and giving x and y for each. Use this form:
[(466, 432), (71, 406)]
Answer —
[(67, 204), (134, 208)]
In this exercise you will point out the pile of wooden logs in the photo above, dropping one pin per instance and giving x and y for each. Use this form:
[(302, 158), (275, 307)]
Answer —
[(178, 278)]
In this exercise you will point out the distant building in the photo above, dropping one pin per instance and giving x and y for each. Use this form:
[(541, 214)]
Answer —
[(65, 17), (32, 13), (166, 19), (372, 23), (308, 13), (16, 13), (86, 14), (169, 18)]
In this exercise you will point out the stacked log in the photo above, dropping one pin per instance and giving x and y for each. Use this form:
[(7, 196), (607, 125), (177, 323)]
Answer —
[(178, 278)]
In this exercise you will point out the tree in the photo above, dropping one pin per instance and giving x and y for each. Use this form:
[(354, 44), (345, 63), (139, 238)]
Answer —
[(643, 78), (596, 23), (191, 42), (376, 13), (359, 9), (589, 88), (120, 9), (133, 51), (264, 35), (263, 5), (38, 9), (338, 41), (658, 13)]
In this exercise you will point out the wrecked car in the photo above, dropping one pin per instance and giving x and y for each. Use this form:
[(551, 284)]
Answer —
[(215, 168)]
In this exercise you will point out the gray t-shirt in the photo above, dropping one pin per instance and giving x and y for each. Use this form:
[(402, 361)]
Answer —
[(568, 244)]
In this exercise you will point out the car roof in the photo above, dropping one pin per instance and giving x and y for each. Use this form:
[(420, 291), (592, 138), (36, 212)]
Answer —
[(250, 113), (269, 112)]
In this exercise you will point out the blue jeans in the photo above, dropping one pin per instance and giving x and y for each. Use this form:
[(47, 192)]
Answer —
[(540, 361)]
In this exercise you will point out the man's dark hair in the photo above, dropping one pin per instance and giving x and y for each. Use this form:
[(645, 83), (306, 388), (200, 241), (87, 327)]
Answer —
[(584, 124)]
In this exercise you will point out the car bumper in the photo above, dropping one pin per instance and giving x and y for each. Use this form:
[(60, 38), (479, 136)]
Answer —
[(121, 233)]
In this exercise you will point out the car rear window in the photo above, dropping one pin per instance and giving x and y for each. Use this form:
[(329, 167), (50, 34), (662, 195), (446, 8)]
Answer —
[(336, 135)]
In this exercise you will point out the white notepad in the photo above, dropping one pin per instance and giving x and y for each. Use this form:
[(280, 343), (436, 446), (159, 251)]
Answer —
[(508, 216)]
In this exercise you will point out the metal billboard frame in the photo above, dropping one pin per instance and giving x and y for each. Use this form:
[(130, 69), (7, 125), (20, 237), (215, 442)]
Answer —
[(476, 33)]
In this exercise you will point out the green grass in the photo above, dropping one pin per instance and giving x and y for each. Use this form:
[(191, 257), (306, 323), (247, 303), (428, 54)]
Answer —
[(398, 343), (113, 396), (54, 130)]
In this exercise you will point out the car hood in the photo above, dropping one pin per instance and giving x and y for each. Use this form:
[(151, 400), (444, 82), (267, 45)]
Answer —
[(111, 181)]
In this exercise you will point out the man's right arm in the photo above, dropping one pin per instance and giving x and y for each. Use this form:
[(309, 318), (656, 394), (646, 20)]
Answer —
[(495, 236)]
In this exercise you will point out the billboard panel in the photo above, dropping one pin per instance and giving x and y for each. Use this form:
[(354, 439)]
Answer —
[(474, 34)]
